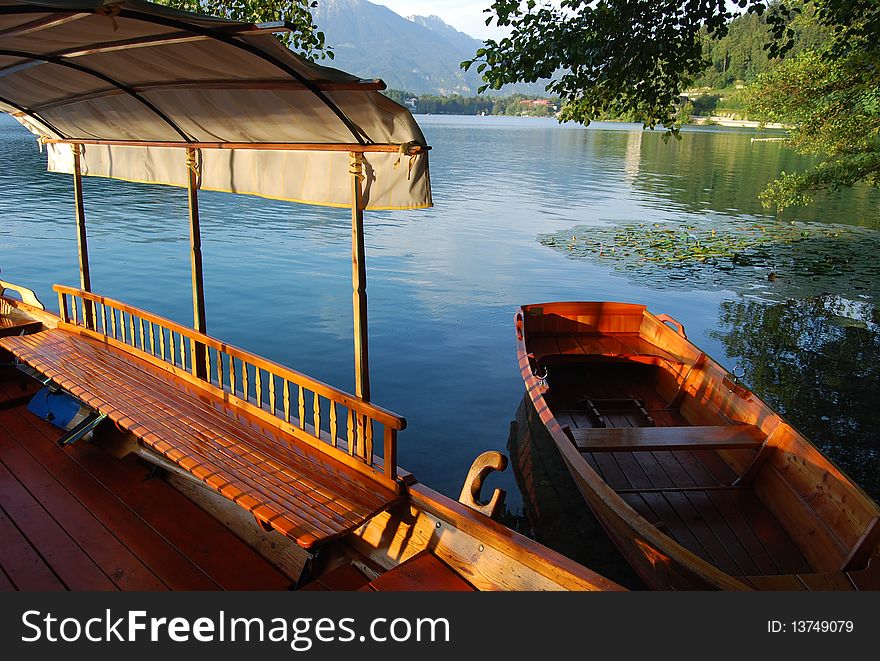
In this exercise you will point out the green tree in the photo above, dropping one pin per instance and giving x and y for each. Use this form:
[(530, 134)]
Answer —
[(621, 57), (833, 103), (304, 38), (605, 57)]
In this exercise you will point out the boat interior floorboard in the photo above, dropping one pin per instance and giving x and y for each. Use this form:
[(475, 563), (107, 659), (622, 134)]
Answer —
[(77, 518), (688, 494)]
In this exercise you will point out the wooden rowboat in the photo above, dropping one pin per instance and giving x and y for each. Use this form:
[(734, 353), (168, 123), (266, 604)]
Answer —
[(699, 483)]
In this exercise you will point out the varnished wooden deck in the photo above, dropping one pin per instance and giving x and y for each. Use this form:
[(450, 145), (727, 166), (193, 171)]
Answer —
[(76, 518)]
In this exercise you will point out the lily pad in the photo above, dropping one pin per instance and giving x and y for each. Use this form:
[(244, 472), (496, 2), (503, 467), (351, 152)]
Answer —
[(773, 259)]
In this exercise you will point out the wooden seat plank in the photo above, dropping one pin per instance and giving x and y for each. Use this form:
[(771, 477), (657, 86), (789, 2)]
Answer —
[(207, 449), (176, 404), (232, 450), (310, 498), (215, 422), (628, 439)]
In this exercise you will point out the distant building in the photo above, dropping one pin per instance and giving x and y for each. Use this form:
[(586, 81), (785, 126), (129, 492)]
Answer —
[(535, 104), (412, 102)]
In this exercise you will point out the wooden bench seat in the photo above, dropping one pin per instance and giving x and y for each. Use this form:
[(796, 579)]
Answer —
[(623, 345), (296, 489), (629, 439)]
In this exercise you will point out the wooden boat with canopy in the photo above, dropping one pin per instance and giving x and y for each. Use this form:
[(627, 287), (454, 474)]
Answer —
[(699, 483), (262, 476)]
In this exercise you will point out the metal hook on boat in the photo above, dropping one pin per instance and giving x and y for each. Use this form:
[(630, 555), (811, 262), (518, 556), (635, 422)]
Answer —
[(738, 372), (484, 464), (542, 378), (732, 382)]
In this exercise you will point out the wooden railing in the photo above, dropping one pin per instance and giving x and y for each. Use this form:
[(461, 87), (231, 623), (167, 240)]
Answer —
[(310, 410)]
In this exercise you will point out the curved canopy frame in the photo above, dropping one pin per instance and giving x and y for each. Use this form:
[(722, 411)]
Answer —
[(218, 33), (61, 62), (130, 90)]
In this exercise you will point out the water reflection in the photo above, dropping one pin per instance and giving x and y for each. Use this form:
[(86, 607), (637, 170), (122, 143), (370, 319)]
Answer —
[(724, 171), (553, 508), (443, 283), (817, 362)]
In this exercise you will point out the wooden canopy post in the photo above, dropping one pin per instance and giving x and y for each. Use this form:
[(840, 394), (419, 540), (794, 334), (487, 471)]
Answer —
[(195, 254), (359, 280), (85, 277)]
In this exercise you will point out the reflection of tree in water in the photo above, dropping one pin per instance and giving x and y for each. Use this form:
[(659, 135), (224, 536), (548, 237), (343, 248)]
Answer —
[(817, 362)]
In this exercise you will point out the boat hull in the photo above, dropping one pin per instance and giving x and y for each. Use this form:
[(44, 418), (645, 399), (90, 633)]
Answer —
[(659, 559)]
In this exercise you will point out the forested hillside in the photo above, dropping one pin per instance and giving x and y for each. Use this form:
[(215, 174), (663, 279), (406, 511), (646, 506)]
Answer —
[(739, 57)]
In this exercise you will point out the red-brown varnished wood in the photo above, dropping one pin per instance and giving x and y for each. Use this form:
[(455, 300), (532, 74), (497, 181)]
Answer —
[(16, 325), (422, 572), (71, 564), (88, 500), (38, 439), (716, 437), (21, 563), (6, 584), (307, 496), (344, 578), (123, 567)]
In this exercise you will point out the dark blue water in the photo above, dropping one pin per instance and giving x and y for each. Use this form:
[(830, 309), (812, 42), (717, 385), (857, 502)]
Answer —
[(444, 283)]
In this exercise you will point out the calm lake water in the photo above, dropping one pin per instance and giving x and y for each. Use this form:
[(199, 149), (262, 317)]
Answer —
[(444, 283)]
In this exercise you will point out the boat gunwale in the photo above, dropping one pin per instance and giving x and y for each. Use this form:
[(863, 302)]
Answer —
[(610, 498), (703, 569)]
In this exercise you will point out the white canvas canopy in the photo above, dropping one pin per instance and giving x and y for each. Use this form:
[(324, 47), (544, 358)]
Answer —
[(146, 93)]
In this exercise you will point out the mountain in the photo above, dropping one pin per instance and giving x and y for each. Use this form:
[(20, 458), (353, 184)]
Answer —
[(464, 42), (420, 54)]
